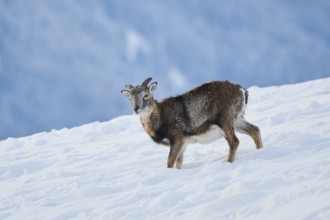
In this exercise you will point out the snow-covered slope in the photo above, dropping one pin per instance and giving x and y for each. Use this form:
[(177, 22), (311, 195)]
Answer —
[(112, 170)]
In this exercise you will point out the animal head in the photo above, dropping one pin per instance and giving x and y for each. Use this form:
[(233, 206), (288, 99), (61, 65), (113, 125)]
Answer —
[(140, 96)]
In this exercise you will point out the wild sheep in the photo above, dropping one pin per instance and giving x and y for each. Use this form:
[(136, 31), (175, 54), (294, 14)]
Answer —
[(202, 115)]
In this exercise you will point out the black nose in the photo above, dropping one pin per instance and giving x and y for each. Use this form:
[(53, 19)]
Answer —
[(136, 109)]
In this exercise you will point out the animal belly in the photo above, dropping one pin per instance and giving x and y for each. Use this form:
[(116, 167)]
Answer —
[(213, 134)]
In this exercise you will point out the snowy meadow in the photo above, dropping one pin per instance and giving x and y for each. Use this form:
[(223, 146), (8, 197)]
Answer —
[(112, 169)]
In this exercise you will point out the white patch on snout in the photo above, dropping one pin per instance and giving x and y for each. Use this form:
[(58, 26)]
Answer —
[(142, 112), (213, 134)]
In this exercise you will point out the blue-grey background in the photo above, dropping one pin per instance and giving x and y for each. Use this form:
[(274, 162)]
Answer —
[(64, 62)]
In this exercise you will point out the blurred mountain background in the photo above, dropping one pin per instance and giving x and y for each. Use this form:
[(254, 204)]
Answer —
[(64, 62)]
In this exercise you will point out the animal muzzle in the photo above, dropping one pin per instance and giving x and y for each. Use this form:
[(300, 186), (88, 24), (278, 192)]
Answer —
[(137, 110)]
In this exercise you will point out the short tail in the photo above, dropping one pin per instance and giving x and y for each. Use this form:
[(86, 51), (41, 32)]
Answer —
[(246, 96)]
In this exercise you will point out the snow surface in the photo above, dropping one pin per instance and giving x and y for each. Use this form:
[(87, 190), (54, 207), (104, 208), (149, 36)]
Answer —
[(112, 170)]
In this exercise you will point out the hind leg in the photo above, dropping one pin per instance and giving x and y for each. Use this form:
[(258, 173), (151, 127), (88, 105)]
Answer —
[(233, 143), (242, 126)]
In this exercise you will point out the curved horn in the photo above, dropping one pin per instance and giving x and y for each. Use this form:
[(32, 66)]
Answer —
[(146, 82), (129, 86)]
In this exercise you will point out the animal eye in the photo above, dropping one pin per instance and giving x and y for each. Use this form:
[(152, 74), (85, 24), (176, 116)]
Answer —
[(146, 96)]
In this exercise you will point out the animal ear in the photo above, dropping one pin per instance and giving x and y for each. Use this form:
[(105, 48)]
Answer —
[(129, 86), (126, 93), (152, 87)]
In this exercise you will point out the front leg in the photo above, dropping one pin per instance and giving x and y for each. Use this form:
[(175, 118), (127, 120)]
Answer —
[(175, 152), (179, 160)]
